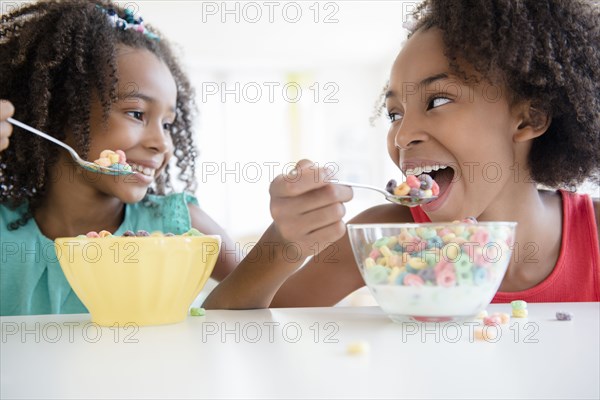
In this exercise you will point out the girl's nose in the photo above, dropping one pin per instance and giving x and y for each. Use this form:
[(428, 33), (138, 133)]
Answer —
[(157, 138), (408, 133)]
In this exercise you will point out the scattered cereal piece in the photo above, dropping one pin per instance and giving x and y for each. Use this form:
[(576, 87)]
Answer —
[(104, 234), (486, 334), (482, 314), (492, 320), (520, 313), (92, 234), (504, 317), (142, 232), (518, 304), (193, 232), (128, 233), (197, 311), (359, 347), (564, 316)]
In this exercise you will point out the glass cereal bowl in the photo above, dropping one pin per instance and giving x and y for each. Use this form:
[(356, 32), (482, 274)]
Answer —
[(433, 272), (149, 280)]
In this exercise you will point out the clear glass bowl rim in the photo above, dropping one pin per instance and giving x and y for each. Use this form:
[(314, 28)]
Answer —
[(352, 226)]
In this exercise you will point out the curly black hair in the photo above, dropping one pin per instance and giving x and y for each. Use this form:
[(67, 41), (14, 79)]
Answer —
[(54, 56), (545, 51)]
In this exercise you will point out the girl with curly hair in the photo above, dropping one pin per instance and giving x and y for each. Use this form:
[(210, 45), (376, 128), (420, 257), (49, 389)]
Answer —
[(496, 98), (95, 76)]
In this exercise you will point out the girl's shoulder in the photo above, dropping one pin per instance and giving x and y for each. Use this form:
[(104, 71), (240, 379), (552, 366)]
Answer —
[(577, 200), (13, 217), (167, 213), (6, 209), (154, 200), (170, 204)]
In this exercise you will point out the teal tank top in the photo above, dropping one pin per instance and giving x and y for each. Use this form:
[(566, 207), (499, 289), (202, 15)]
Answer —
[(31, 279)]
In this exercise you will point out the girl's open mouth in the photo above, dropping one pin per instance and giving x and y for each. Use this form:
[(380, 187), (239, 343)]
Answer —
[(444, 176)]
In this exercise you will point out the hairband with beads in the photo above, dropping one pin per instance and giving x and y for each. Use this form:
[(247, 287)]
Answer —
[(129, 22)]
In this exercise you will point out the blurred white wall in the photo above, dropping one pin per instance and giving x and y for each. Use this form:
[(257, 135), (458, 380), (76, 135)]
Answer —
[(278, 81)]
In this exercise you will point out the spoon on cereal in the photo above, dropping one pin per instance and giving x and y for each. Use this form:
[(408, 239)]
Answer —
[(414, 192), (109, 163)]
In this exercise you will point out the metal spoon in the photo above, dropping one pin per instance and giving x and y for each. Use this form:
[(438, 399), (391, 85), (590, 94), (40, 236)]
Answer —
[(90, 166), (407, 201)]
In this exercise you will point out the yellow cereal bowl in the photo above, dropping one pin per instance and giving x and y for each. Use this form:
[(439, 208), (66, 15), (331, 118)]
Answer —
[(137, 280)]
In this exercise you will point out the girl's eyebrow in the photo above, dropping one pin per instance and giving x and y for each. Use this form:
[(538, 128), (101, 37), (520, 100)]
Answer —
[(425, 82), (143, 97)]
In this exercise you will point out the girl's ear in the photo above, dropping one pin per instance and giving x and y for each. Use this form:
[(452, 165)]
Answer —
[(532, 122)]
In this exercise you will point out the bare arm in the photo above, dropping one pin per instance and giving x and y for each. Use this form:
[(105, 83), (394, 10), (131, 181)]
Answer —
[(333, 274), (257, 278), (307, 212)]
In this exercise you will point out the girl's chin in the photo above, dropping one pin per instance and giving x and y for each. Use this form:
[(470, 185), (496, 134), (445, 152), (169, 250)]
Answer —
[(446, 209), (452, 211)]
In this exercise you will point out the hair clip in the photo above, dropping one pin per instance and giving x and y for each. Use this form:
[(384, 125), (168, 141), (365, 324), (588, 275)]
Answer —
[(129, 22)]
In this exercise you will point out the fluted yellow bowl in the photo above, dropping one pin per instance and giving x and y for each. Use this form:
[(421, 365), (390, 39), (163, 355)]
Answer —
[(138, 280)]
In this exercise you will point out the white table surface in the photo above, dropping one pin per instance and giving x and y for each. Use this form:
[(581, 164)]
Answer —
[(302, 353)]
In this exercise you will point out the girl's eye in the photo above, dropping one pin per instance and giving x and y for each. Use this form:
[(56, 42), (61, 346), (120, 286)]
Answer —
[(136, 114), (438, 101), (394, 117), (167, 126)]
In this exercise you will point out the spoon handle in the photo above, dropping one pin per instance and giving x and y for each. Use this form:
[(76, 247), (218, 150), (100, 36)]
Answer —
[(360, 185), (42, 134)]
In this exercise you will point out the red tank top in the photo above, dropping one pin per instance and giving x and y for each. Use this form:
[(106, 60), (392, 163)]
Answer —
[(576, 275)]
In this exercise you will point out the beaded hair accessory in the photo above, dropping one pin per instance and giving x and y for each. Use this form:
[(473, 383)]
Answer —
[(129, 22)]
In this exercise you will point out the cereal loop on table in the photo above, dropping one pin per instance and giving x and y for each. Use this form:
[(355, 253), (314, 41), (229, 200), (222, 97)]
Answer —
[(520, 313), (357, 348), (564, 316)]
